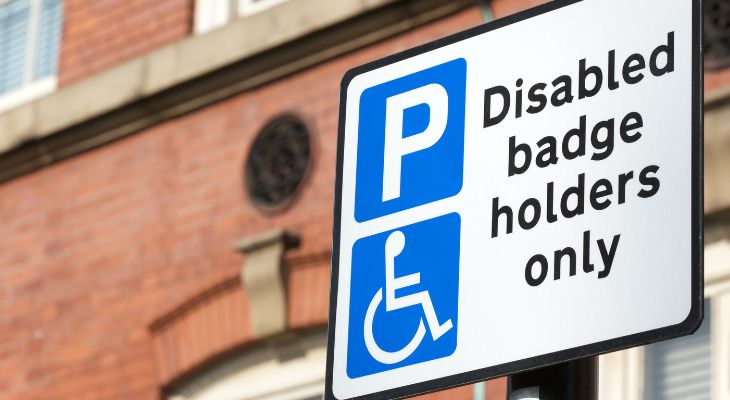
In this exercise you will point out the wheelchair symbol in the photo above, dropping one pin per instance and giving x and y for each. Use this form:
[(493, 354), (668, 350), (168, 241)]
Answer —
[(394, 245)]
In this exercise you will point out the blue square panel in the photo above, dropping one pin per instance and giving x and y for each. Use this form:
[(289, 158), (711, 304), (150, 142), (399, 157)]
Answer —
[(411, 141), (404, 296)]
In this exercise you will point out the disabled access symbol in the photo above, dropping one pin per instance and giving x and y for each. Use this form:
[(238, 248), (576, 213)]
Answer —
[(405, 284)]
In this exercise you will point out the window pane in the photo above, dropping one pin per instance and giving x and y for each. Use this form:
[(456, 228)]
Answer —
[(211, 14), (14, 16), (681, 369), (49, 34)]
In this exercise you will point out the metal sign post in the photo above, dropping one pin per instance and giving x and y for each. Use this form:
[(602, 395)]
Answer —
[(573, 380)]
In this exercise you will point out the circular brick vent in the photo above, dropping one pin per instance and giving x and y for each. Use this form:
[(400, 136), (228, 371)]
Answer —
[(717, 33), (277, 163)]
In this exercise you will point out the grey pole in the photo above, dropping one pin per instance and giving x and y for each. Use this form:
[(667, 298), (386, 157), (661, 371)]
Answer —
[(573, 380)]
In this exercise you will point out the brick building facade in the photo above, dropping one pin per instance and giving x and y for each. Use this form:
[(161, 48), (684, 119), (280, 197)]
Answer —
[(133, 261)]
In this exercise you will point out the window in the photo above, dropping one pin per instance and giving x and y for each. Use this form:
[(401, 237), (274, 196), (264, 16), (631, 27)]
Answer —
[(693, 367), (681, 368), (246, 7), (30, 32), (213, 14), (288, 369)]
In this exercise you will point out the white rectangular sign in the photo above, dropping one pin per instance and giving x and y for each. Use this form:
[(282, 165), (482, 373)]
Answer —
[(516, 195)]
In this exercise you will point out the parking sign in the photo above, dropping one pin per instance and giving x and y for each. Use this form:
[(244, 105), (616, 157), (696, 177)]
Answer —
[(520, 194), (413, 122)]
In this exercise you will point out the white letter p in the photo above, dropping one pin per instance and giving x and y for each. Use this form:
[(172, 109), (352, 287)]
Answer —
[(397, 146)]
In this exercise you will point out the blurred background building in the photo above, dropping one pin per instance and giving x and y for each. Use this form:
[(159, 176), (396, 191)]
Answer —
[(166, 191)]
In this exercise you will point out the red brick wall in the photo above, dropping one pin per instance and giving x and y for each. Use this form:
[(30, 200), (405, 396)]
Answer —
[(209, 324), (502, 8), (97, 247), (715, 80), (98, 34), (101, 34)]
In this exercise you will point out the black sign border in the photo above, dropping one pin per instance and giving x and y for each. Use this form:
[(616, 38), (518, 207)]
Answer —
[(686, 327)]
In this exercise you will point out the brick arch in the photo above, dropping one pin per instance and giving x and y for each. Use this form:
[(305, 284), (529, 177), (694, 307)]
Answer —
[(217, 321), (228, 315), (208, 324), (308, 287)]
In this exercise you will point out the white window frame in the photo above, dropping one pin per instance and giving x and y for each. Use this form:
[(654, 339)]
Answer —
[(213, 14), (621, 374), (717, 288), (248, 7), (27, 93), (290, 368), (30, 89)]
